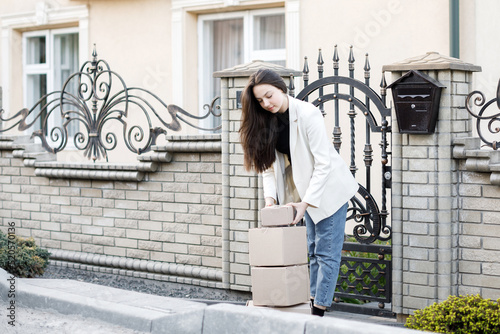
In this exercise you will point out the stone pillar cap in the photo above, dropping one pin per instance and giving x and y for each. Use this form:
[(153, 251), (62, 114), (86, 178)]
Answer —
[(245, 70), (431, 61)]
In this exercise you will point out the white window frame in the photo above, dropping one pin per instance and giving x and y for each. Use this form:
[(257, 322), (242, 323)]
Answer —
[(47, 68), (265, 55), (43, 15), (249, 53)]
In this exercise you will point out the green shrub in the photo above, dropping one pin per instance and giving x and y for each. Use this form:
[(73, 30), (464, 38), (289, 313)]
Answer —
[(460, 315), (21, 257)]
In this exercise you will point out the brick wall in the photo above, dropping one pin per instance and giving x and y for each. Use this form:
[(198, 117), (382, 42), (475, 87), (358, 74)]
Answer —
[(479, 228), (172, 215)]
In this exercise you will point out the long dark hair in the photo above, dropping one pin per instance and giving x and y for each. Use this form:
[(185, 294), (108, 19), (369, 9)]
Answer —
[(258, 134)]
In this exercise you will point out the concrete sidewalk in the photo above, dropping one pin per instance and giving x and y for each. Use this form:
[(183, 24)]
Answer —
[(156, 314)]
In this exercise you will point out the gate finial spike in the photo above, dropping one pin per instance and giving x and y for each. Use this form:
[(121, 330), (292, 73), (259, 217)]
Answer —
[(94, 52), (335, 60), (291, 86), (351, 56), (367, 63), (320, 58), (306, 66), (335, 54), (367, 67), (305, 71), (383, 83), (383, 87)]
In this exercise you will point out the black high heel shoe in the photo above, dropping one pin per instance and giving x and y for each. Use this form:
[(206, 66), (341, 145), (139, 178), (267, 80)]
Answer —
[(315, 310)]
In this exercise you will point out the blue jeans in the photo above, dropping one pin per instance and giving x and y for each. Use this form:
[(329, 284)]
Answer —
[(324, 241)]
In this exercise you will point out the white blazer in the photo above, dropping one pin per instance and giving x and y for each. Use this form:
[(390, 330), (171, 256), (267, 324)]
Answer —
[(321, 176)]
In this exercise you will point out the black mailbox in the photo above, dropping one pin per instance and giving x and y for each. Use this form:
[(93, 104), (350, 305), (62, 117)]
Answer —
[(416, 100)]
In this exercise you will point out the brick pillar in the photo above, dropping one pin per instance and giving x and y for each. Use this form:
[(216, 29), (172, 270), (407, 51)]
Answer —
[(424, 196), (242, 195)]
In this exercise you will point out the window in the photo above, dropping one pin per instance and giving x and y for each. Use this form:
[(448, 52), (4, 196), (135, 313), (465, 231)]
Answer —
[(230, 39), (50, 57)]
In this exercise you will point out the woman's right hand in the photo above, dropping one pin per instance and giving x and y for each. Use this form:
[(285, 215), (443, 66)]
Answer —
[(270, 201)]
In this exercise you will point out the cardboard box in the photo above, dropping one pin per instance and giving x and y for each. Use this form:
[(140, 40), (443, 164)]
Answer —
[(303, 308), (277, 246), (280, 286), (277, 215)]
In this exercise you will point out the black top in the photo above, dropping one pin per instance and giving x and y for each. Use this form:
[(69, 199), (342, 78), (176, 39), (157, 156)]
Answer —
[(283, 142)]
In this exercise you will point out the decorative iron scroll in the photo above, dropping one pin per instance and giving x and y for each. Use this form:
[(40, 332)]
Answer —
[(479, 101), (89, 99), (364, 211)]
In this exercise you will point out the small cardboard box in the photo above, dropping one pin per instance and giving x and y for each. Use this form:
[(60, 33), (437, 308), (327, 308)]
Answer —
[(303, 308), (277, 215), (277, 246), (280, 286)]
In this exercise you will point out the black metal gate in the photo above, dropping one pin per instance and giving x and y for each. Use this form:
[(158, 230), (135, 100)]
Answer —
[(365, 279)]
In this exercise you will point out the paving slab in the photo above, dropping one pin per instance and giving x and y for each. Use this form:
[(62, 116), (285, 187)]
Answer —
[(129, 309), (230, 319), (330, 325)]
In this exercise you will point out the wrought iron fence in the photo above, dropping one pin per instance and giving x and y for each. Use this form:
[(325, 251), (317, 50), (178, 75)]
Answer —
[(90, 98), (492, 121)]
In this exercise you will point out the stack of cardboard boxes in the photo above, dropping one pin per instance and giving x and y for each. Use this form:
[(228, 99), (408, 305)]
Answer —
[(278, 260)]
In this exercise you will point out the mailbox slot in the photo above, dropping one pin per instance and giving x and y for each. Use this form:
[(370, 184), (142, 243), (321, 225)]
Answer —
[(416, 101)]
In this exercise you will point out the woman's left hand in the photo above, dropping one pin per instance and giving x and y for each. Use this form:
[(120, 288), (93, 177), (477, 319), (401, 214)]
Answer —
[(300, 209)]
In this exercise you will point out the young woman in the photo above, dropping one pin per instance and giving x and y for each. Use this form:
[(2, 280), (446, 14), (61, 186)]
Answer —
[(285, 139)]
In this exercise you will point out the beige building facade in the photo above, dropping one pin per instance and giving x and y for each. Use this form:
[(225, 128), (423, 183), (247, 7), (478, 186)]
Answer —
[(172, 47)]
